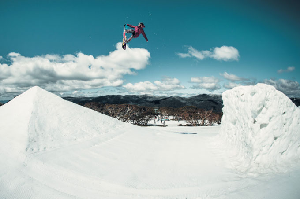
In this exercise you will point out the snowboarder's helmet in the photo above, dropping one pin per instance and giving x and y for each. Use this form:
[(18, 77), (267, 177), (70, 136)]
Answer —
[(142, 24)]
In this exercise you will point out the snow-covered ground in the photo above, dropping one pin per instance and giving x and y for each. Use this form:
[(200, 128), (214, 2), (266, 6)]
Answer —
[(51, 148)]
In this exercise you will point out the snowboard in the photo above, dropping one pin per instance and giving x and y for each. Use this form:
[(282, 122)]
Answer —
[(124, 39)]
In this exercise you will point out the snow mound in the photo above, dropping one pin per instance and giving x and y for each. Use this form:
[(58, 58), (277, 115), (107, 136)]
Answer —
[(38, 120), (261, 126)]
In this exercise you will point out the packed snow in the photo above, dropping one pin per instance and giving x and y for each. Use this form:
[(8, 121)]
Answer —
[(262, 127), (52, 148)]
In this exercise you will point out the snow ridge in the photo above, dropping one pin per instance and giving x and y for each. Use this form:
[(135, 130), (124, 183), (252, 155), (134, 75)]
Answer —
[(262, 127), (14, 119), (38, 120)]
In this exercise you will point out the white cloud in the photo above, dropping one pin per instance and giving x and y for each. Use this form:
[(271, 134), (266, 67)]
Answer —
[(13, 54), (233, 77), (183, 55), (147, 87), (1, 57), (225, 53), (71, 72), (195, 53), (208, 83), (231, 85), (288, 87), (289, 69)]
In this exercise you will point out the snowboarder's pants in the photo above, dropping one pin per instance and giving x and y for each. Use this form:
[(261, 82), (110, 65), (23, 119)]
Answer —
[(129, 31)]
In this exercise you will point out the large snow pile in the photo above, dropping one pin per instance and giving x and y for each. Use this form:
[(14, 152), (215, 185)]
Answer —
[(261, 126), (38, 120)]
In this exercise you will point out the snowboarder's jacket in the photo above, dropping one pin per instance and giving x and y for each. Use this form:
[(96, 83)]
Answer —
[(137, 31)]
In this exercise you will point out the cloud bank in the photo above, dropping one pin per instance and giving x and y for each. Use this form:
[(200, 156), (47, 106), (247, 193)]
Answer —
[(289, 69), (235, 81), (208, 83), (147, 87), (288, 87), (70, 72), (225, 53), (232, 77)]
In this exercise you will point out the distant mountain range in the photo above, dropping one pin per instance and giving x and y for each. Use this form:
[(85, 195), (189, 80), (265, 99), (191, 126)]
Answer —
[(296, 101), (206, 102), (203, 101)]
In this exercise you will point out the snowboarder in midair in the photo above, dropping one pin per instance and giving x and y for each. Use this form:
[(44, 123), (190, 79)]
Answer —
[(136, 31)]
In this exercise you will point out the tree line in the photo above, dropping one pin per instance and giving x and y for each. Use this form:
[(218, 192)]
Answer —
[(141, 115)]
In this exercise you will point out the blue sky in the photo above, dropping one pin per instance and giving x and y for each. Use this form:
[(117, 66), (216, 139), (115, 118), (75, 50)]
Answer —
[(72, 47)]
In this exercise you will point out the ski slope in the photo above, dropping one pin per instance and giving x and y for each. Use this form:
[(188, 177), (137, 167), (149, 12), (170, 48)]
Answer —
[(52, 148)]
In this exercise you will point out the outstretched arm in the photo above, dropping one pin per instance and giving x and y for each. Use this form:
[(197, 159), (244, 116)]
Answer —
[(131, 26), (144, 34)]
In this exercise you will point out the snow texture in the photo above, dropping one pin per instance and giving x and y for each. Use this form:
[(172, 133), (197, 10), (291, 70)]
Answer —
[(53, 149), (262, 127), (35, 121)]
